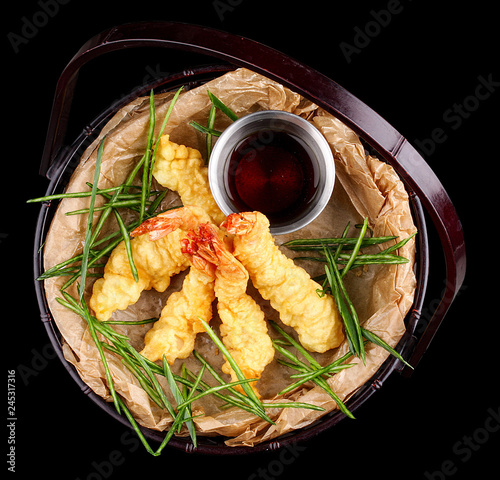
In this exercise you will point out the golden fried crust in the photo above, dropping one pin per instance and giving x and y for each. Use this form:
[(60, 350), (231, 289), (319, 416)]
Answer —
[(289, 288), (182, 169), (243, 328), (156, 262), (174, 334), (247, 340)]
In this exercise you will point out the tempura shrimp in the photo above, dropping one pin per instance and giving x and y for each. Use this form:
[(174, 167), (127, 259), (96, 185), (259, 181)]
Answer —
[(289, 287), (157, 257), (174, 334), (156, 263), (243, 328), (178, 168), (182, 169)]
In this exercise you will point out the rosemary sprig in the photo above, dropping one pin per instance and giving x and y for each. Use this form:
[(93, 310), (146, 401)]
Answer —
[(83, 311), (239, 400), (88, 233), (134, 368), (208, 130), (306, 376), (247, 389), (128, 246), (398, 245), (180, 398), (312, 369), (59, 196), (304, 244), (136, 428), (212, 390), (370, 336), (345, 307), (154, 381), (361, 259), (132, 204), (204, 129), (129, 322), (355, 333), (222, 107), (210, 126), (235, 398), (147, 157), (121, 198), (96, 255), (356, 248)]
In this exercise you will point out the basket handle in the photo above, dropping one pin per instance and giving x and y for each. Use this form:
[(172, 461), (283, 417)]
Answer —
[(318, 88)]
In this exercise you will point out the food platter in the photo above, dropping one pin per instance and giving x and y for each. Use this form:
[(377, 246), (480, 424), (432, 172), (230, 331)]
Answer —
[(63, 161)]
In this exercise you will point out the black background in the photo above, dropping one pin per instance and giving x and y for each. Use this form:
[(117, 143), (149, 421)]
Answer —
[(425, 60)]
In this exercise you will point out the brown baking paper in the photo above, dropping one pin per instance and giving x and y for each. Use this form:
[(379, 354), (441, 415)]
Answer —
[(365, 187)]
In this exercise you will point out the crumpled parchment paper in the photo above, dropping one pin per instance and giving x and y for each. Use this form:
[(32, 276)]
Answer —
[(365, 187)]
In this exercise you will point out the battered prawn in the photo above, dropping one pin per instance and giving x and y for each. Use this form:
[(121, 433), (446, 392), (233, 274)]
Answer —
[(174, 334), (243, 328), (287, 286), (182, 169), (178, 168), (156, 262)]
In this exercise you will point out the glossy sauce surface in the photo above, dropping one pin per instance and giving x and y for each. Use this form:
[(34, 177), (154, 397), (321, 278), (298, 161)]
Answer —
[(272, 172)]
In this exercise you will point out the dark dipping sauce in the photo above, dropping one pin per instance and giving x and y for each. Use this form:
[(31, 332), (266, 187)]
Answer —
[(272, 172)]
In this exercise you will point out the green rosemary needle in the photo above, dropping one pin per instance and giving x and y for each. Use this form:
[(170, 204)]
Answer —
[(222, 107), (88, 233), (147, 157), (210, 126), (128, 246), (313, 366), (248, 390), (204, 129), (185, 411)]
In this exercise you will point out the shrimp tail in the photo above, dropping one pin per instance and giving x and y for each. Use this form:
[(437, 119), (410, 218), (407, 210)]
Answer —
[(243, 327), (156, 227), (164, 223), (210, 245), (238, 224), (191, 251)]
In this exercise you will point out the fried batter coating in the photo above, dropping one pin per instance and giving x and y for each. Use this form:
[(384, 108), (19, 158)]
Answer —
[(182, 169), (178, 168), (289, 287), (156, 262), (157, 257), (243, 328), (174, 334)]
